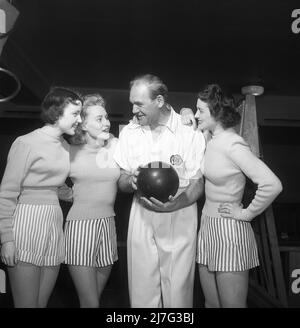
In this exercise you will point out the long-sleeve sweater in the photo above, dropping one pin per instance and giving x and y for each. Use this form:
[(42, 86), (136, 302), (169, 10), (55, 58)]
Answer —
[(37, 165), (94, 174), (227, 160)]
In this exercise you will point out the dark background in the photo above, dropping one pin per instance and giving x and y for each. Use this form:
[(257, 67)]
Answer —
[(104, 44)]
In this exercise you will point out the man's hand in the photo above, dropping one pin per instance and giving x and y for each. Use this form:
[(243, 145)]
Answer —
[(188, 117), (155, 205), (127, 181), (8, 253), (133, 179)]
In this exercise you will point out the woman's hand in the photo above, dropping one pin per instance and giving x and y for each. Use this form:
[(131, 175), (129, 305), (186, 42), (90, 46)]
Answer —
[(188, 117), (8, 253), (233, 211), (155, 205), (65, 193)]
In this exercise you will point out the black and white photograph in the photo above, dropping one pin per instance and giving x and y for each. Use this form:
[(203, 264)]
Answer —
[(150, 157)]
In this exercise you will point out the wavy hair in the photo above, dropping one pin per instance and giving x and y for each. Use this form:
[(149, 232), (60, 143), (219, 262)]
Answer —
[(55, 102), (222, 107), (88, 101)]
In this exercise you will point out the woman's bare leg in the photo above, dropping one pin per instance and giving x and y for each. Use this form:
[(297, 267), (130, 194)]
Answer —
[(209, 287)]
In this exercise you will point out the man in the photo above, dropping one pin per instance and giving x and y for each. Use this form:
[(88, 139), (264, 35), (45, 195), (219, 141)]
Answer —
[(161, 237)]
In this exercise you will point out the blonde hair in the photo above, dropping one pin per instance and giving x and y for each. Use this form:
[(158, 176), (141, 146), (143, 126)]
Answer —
[(88, 101)]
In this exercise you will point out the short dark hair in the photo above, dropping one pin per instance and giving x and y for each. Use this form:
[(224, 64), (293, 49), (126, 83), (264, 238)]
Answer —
[(222, 106), (55, 102), (155, 85)]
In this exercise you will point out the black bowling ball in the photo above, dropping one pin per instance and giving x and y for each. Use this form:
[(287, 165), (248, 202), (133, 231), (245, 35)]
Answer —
[(158, 180)]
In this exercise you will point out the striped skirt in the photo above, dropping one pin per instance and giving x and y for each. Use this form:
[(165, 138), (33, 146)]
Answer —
[(226, 244), (91, 242), (38, 234)]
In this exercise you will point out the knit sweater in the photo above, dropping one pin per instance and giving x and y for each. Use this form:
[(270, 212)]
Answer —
[(227, 160), (37, 164), (94, 174)]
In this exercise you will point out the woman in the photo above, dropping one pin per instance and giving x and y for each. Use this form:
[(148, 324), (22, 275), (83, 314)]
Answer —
[(226, 242), (90, 233), (30, 217)]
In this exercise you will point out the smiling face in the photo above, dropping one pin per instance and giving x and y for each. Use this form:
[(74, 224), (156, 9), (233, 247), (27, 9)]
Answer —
[(96, 123), (205, 120), (145, 109), (70, 118)]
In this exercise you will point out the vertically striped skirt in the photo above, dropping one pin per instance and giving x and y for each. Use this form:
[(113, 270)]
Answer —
[(226, 244), (38, 234), (91, 242)]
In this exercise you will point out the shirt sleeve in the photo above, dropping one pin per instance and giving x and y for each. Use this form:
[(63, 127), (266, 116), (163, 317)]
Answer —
[(268, 185), (15, 171), (121, 152)]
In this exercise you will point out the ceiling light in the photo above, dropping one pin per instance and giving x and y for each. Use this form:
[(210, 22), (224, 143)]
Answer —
[(255, 90)]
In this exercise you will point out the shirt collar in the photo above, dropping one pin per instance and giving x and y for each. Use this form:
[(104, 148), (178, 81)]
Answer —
[(171, 124)]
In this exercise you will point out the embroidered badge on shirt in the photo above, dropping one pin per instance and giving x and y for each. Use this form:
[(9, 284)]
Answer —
[(176, 160)]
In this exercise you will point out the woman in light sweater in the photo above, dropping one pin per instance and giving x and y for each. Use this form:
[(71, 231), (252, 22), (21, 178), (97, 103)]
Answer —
[(90, 233), (30, 216), (226, 242)]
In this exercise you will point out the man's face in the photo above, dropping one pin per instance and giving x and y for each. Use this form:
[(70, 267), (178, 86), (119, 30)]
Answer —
[(146, 110)]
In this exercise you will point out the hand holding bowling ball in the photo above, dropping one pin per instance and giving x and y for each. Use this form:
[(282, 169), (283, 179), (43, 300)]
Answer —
[(133, 179), (158, 180)]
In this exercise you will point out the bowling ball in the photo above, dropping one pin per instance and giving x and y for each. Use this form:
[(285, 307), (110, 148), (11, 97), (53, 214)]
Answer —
[(158, 180)]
